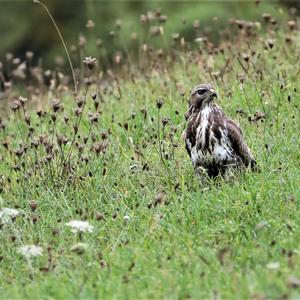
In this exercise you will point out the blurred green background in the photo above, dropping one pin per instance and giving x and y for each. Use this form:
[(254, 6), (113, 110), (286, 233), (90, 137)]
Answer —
[(25, 25)]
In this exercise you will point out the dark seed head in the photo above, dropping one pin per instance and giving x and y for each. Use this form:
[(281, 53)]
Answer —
[(159, 103)]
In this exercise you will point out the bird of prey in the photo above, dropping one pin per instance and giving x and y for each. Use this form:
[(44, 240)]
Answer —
[(214, 142)]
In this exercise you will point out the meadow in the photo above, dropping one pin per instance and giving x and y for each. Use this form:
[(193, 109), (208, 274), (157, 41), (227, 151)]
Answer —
[(113, 156)]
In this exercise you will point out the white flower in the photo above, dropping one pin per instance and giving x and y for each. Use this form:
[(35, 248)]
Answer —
[(126, 219), (80, 226), (30, 251), (7, 214), (200, 40), (273, 265)]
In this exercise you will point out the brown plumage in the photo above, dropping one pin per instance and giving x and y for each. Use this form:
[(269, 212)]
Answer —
[(214, 142)]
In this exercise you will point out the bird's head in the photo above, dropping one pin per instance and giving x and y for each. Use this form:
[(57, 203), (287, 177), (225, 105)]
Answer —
[(202, 95)]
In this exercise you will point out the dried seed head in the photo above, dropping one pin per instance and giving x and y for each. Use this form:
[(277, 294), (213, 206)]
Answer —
[(27, 119), (16, 61), (112, 34), (144, 112), (35, 142), (33, 205), (80, 101), (56, 105), (15, 105), (288, 39), (216, 75), (163, 19), (99, 147), (201, 40), (19, 152), (99, 43), (159, 103), (175, 36), (65, 140), (118, 24), (53, 117), (246, 57), (182, 42), (73, 48), (240, 24), (90, 24), (29, 55), (165, 121), (292, 25), (99, 216), (134, 36), (94, 96), (81, 41), (85, 139), (117, 58), (249, 26), (9, 56), (22, 100), (39, 113), (88, 80), (93, 117), (160, 53), (79, 146), (270, 43), (96, 105), (90, 62), (143, 19), (242, 78), (78, 111), (66, 118), (150, 16), (7, 85), (79, 248), (159, 198), (196, 24), (104, 135), (145, 47), (267, 17), (158, 12), (156, 30), (273, 21)]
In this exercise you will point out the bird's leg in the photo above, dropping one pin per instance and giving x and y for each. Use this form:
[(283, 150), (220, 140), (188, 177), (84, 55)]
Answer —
[(201, 173), (229, 174)]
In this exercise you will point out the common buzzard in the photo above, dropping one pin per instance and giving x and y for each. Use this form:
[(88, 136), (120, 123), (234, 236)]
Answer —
[(215, 143)]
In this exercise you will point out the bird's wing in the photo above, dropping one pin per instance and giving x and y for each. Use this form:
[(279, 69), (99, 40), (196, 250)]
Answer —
[(238, 144)]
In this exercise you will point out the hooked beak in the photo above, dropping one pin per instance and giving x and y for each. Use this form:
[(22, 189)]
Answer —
[(213, 94)]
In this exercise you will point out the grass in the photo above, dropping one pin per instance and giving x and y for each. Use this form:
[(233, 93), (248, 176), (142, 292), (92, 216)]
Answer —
[(179, 238)]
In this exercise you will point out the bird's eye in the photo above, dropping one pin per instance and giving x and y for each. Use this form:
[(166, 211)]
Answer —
[(201, 91)]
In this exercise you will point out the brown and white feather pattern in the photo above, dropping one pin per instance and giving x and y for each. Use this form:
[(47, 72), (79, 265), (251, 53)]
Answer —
[(214, 142)]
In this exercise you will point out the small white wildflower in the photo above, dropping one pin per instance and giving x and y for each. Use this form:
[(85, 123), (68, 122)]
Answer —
[(7, 214), (126, 219), (80, 226), (200, 40), (158, 218), (273, 265), (30, 251)]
